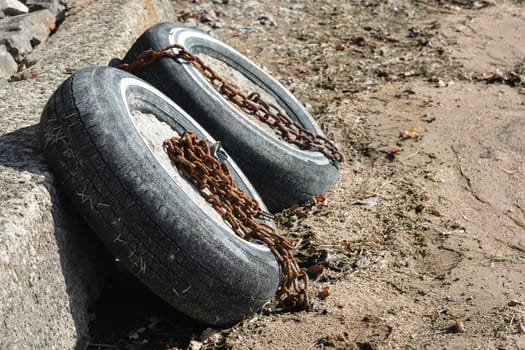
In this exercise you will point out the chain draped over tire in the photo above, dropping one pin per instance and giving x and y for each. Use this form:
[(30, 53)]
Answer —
[(195, 161), (251, 103)]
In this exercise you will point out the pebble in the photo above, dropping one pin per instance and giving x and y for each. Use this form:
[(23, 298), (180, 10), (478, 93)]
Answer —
[(369, 202), (266, 20), (250, 4), (194, 345), (8, 66), (217, 25), (429, 118)]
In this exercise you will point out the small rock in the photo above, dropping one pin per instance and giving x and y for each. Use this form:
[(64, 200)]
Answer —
[(413, 133), (17, 43), (325, 342), (515, 303), (458, 327), (271, 308), (13, 7), (429, 118), (367, 202), (315, 270), (441, 84), (482, 4), (52, 5), (23, 75), (217, 25), (207, 16), (8, 66), (266, 20), (210, 336), (323, 293), (250, 4), (195, 345)]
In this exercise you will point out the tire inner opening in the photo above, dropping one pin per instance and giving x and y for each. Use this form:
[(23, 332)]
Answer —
[(154, 131), (244, 84)]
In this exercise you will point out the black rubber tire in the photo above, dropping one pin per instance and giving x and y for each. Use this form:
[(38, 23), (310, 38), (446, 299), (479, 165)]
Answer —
[(282, 174), (149, 219)]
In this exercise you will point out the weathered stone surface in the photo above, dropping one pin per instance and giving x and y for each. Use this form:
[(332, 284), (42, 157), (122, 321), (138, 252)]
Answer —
[(48, 257), (8, 66), (17, 43), (52, 5), (21, 33), (13, 7)]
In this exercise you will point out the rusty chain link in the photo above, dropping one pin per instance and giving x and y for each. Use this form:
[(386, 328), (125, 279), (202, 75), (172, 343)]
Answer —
[(251, 103), (194, 159)]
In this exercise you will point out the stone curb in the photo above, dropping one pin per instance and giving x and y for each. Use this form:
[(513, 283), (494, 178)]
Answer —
[(50, 262)]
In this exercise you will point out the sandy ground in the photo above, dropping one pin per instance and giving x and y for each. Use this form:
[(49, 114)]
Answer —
[(422, 239)]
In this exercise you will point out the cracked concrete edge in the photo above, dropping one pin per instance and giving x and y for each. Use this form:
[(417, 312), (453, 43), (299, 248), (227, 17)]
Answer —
[(50, 263)]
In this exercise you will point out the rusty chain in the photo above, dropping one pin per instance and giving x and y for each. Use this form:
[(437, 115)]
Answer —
[(194, 159), (251, 103), (213, 179)]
